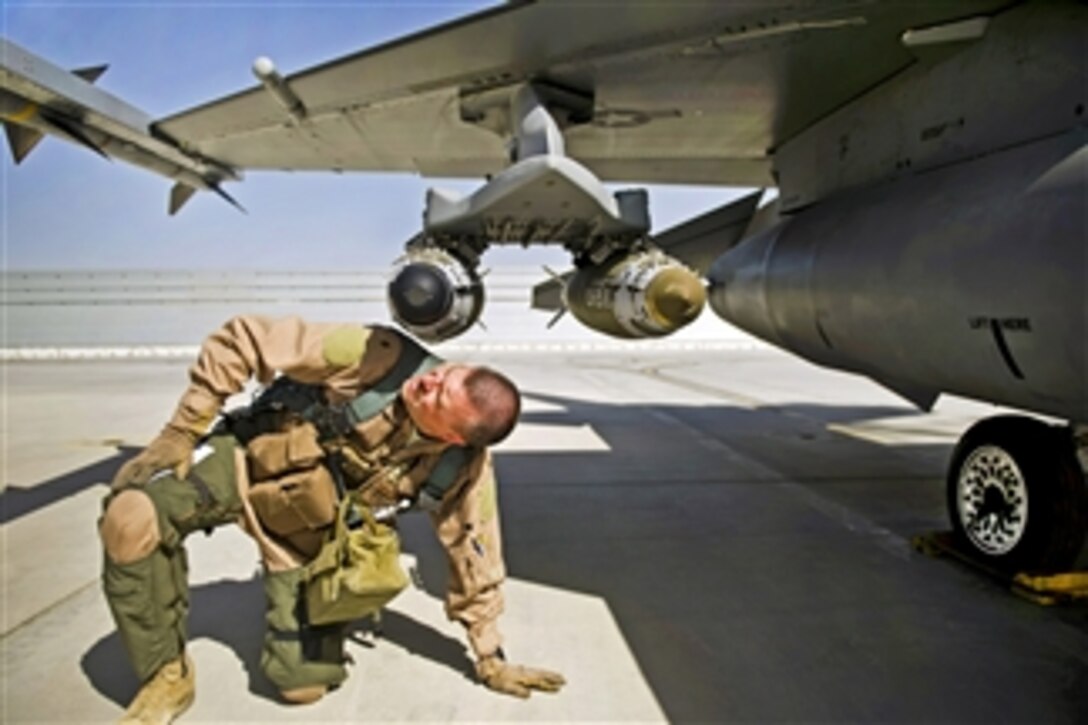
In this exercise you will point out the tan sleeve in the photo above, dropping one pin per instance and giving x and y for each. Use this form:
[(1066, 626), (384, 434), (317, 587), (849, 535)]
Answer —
[(468, 527), (258, 347)]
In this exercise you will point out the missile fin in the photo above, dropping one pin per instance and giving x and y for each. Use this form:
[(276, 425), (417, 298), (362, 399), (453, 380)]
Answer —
[(230, 199), (90, 74), (557, 317), (548, 295), (21, 140), (180, 194)]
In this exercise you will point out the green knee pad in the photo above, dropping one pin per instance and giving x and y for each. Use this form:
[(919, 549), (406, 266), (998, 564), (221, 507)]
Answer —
[(149, 600), (296, 654)]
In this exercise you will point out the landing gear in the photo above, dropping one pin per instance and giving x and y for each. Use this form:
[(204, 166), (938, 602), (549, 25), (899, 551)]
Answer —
[(1017, 496)]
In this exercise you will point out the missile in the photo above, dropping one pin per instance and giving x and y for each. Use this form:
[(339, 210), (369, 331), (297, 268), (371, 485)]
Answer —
[(270, 78), (39, 99), (434, 294), (638, 294)]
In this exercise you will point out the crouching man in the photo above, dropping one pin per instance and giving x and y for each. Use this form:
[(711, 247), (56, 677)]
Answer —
[(358, 411)]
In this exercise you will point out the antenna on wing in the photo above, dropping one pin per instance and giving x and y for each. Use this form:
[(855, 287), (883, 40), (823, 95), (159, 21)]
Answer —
[(270, 78)]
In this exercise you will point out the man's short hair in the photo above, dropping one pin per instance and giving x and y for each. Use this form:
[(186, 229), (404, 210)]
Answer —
[(497, 403)]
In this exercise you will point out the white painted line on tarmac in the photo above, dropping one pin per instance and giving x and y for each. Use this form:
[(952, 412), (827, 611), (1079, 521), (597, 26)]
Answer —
[(894, 432), (540, 437), (186, 352)]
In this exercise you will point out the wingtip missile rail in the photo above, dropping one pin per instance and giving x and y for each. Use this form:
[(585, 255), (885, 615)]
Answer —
[(38, 99)]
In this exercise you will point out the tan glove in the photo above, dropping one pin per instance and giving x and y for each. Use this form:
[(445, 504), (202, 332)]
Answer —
[(173, 448), (516, 680)]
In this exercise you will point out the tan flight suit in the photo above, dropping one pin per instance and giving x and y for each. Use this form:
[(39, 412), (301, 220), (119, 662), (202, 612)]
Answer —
[(345, 360)]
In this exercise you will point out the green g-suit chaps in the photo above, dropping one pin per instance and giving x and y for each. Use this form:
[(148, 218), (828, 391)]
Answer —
[(149, 598)]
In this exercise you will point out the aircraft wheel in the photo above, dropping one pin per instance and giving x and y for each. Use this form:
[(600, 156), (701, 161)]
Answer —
[(1016, 495)]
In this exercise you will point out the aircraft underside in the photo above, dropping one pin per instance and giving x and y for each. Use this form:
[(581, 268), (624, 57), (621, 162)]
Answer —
[(967, 280), (935, 246), (929, 230)]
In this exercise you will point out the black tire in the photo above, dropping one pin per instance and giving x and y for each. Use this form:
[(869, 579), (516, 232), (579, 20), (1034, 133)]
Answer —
[(1024, 503)]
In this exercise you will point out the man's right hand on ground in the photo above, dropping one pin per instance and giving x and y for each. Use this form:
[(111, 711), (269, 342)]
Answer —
[(173, 448)]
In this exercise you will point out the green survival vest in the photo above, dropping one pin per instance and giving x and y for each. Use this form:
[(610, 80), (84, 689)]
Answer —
[(339, 420)]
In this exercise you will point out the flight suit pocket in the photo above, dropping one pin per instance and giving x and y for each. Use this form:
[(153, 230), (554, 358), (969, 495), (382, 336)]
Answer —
[(475, 562), (273, 454), (300, 501)]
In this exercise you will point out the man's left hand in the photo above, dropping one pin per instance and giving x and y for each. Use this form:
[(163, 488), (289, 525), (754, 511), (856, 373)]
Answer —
[(173, 449), (516, 680)]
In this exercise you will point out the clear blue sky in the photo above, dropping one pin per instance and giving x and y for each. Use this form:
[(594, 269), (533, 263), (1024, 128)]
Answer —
[(65, 207)]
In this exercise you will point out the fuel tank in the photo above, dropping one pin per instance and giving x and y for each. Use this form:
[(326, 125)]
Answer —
[(968, 279)]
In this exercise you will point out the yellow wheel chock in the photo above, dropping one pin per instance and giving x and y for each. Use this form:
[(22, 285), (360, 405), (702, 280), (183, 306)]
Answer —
[(1045, 589)]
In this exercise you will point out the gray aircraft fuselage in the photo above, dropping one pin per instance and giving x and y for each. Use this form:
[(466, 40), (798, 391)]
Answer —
[(964, 269)]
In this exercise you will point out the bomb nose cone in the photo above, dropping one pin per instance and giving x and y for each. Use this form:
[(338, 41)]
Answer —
[(675, 297), (420, 294)]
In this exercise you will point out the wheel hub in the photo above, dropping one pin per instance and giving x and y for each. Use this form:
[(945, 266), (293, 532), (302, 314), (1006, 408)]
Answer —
[(992, 500)]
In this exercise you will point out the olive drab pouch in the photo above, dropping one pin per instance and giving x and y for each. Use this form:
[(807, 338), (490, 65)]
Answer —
[(297, 502), (357, 571), (273, 454)]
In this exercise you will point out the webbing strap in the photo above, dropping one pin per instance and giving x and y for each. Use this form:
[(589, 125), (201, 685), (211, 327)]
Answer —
[(339, 420), (413, 360), (450, 463), (206, 499), (203, 492)]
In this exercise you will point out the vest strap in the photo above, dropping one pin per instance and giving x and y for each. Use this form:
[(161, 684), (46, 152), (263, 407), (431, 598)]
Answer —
[(340, 420), (413, 360), (450, 463)]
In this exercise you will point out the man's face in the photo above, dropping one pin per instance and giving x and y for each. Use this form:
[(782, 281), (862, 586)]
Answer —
[(438, 402)]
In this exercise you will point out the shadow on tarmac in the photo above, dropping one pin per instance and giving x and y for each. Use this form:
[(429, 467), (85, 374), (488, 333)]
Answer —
[(231, 612), (757, 564), (16, 501)]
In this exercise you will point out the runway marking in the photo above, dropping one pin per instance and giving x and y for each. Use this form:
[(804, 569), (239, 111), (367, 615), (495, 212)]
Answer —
[(745, 401), (170, 352), (708, 442), (553, 439), (873, 432), (885, 539)]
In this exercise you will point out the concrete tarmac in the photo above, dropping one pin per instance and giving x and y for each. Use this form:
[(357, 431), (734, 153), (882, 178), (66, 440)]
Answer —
[(716, 535)]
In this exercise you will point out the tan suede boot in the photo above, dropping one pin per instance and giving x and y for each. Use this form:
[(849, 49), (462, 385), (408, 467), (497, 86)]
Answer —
[(165, 696)]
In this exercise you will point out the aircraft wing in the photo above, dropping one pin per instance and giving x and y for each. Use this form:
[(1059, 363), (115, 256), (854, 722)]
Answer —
[(671, 92)]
